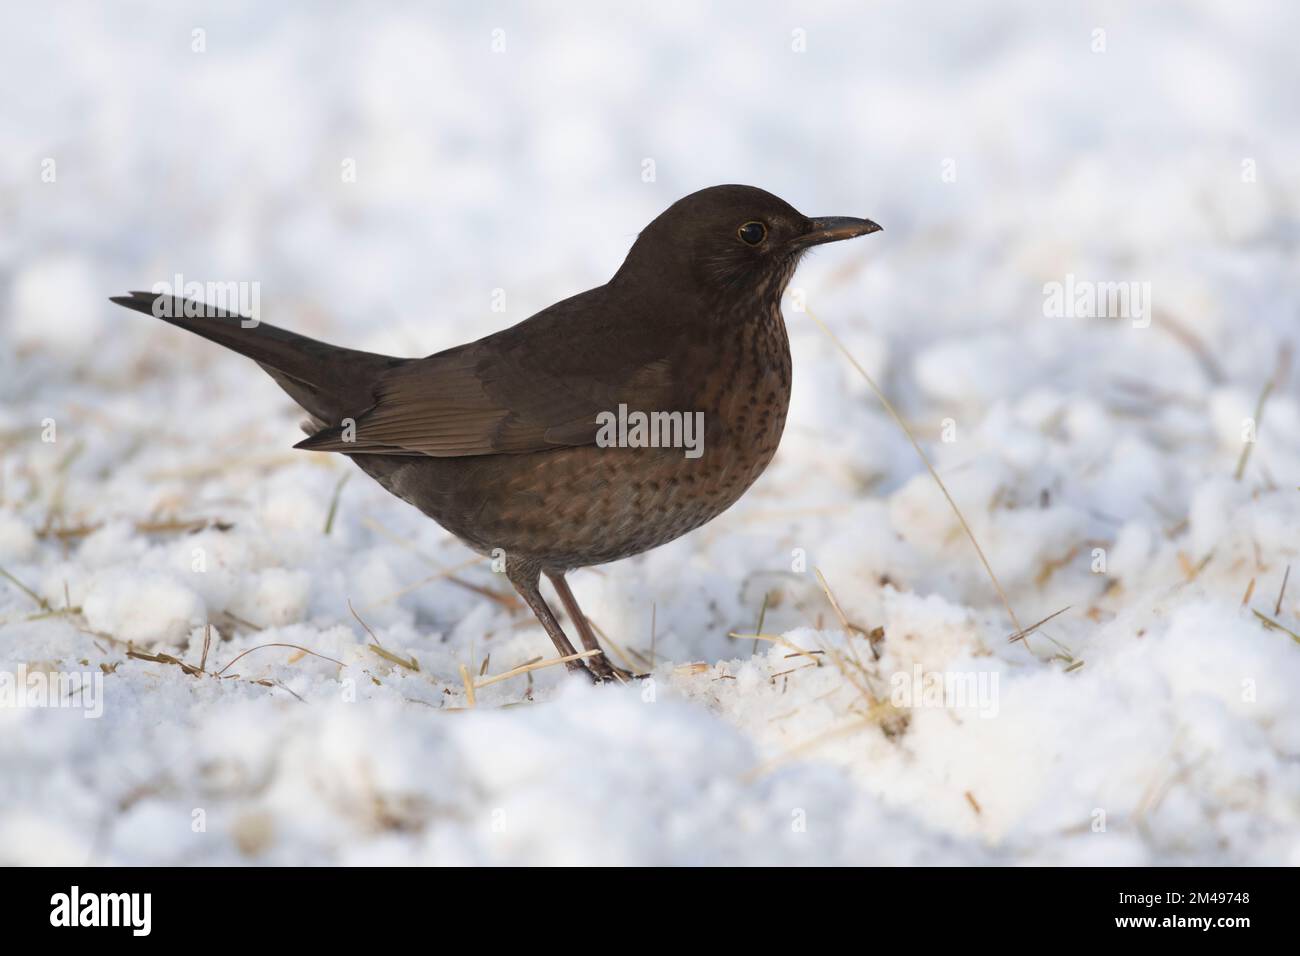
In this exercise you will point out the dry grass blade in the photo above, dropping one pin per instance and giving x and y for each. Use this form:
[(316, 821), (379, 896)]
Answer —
[(834, 733), (854, 671), (40, 601), (397, 539), (762, 616), (281, 686), (530, 667), (436, 576), (1193, 343), (410, 665), (916, 445), (296, 647), (1020, 635), (334, 501), (160, 658), (848, 626), (373, 636), (1274, 625), (177, 526), (777, 639), (378, 647), (1279, 374), (508, 601), (1277, 608), (624, 654)]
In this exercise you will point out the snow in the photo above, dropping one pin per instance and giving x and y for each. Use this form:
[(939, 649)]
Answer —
[(148, 493)]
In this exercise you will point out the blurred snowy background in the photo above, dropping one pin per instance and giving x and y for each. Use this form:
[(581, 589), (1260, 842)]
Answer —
[(147, 489)]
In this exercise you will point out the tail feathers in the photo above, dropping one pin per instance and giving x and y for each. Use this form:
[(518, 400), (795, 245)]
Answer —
[(326, 380)]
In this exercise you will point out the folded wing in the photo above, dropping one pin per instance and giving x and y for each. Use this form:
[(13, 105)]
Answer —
[(538, 385)]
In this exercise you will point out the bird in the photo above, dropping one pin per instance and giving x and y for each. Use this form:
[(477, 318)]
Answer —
[(603, 426)]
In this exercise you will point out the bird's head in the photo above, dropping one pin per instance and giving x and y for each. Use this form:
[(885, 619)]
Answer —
[(732, 241)]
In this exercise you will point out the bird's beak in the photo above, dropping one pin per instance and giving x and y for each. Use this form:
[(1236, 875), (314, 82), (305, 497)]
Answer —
[(835, 228)]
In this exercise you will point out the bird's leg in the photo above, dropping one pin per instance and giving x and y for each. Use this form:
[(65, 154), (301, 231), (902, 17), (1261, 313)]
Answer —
[(525, 579), (599, 663)]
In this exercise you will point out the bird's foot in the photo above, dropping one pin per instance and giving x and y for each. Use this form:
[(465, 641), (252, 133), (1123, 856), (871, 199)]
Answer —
[(603, 672)]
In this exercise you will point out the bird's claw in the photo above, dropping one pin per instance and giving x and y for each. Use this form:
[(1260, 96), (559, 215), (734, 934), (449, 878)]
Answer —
[(602, 671)]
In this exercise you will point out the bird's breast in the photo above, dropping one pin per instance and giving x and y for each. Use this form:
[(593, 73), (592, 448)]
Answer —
[(573, 507), (744, 397)]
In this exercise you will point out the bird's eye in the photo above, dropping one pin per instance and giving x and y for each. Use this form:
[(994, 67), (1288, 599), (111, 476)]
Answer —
[(752, 233)]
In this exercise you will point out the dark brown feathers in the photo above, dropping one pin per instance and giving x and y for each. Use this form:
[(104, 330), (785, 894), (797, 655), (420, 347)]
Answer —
[(496, 440)]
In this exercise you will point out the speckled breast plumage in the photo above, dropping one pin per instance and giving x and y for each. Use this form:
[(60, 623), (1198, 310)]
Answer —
[(574, 507)]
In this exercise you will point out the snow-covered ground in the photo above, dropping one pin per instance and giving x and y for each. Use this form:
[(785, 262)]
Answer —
[(387, 175)]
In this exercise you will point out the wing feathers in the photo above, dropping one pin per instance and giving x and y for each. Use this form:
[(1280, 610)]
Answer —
[(536, 386)]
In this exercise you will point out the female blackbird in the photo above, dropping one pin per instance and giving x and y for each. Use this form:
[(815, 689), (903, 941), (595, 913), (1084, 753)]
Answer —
[(605, 425)]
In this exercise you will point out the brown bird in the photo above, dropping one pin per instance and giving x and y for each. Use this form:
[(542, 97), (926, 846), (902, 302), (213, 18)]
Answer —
[(605, 425)]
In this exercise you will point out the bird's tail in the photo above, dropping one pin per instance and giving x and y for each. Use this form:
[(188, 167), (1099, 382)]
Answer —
[(328, 381)]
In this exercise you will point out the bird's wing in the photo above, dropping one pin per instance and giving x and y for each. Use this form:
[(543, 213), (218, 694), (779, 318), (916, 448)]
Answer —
[(538, 385)]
